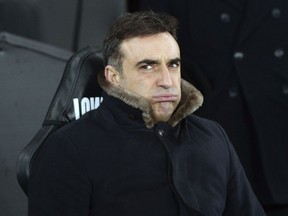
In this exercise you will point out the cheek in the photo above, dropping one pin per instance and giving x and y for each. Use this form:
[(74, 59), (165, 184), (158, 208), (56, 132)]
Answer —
[(177, 82), (139, 86), (142, 89)]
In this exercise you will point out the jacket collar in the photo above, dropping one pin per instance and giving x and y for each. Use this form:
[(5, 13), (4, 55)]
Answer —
[(191, 100)]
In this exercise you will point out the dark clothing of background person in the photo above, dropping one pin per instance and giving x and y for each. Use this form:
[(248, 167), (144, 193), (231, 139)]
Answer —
[(109, 163), (235, 52)]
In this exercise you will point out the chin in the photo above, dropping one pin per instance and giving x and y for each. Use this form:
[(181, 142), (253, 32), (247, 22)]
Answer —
[(162, 118), (163, 111)]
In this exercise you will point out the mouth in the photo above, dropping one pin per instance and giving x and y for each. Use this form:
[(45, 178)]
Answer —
[(164, 98)]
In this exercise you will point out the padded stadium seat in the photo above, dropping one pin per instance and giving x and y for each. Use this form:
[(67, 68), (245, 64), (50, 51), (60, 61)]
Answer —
[(77, 93), (30, 72)]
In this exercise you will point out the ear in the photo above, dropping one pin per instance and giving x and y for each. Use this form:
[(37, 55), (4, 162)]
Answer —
[(111, 74)]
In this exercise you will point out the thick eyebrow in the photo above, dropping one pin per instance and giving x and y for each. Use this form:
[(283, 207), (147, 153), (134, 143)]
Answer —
[(148, 61), (152, 61), (175, 60)]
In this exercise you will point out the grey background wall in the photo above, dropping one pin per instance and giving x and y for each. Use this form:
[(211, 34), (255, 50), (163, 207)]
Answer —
[(66, 24), (42, 36)]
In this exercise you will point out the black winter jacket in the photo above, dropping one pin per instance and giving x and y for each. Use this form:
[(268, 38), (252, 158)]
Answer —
[(110, 163)]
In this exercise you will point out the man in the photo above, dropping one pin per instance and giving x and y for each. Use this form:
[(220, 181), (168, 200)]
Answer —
[(141, 152)]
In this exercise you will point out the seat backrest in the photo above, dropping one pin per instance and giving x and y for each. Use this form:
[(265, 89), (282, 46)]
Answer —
[(77, 93), (30, 72)]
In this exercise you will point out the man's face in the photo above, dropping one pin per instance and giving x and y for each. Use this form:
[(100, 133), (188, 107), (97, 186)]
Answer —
[(151, 68)]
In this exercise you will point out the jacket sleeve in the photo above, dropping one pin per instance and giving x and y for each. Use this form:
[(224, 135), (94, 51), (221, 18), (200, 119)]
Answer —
[(240, 199), (59, 183)]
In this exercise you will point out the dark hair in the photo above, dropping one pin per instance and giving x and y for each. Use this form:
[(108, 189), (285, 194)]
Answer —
[(137, 24)]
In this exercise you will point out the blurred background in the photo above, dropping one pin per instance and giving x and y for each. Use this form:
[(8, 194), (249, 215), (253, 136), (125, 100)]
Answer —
[(234, 51)]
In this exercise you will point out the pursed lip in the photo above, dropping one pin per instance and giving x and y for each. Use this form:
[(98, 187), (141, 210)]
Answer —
[(165, 98)]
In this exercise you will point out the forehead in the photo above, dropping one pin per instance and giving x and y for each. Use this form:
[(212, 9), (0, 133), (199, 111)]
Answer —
[(157, 46)]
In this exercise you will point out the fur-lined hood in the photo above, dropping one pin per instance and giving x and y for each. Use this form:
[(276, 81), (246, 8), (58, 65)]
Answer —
[(191, 100)]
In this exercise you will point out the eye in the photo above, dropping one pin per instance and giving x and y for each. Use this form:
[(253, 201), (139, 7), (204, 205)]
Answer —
[(174, 64), (147, 67)]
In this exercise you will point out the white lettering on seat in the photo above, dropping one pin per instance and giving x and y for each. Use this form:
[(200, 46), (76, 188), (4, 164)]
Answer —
[(85, 105)]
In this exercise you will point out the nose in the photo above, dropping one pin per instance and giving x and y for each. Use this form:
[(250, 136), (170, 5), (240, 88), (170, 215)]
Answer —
[(164, 79)]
